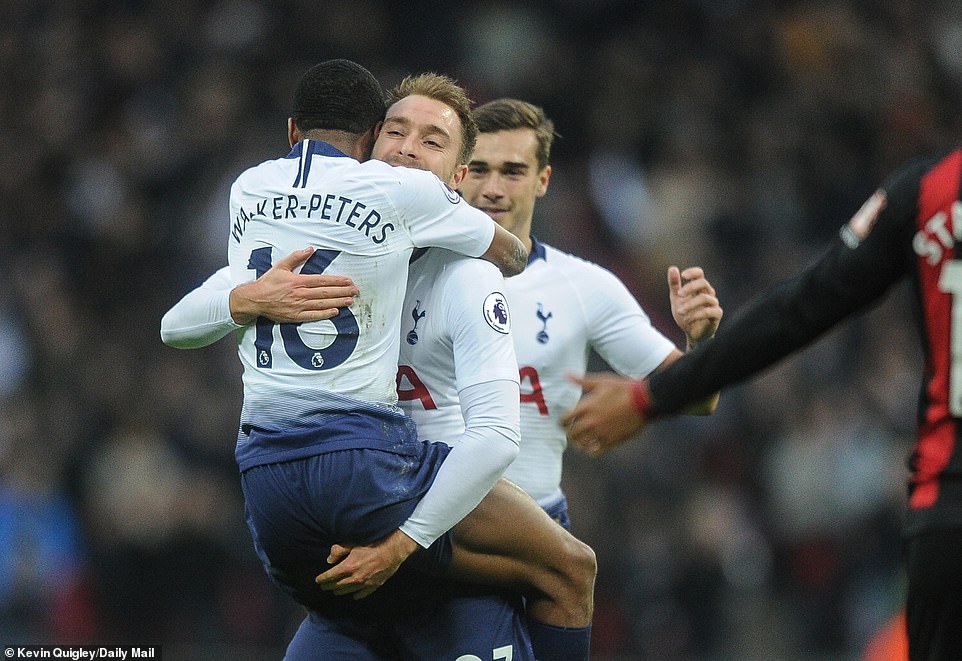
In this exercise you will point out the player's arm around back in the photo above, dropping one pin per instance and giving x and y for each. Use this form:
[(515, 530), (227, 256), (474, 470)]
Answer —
[(438, 216), (202, 316), (507, 252), (216, 308)]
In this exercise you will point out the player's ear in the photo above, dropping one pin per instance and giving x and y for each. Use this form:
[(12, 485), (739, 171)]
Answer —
[(459, 173), (543, 177), (365, 142), (293, 135)]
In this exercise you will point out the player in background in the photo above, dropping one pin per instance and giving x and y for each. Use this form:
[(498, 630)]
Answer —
[(908, 229), (413, 136), (562, 306)]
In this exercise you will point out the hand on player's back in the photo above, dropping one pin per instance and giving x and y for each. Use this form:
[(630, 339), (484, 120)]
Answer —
[(287, 297)]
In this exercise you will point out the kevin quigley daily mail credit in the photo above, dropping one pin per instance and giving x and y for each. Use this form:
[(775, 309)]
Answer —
[(78, 652)]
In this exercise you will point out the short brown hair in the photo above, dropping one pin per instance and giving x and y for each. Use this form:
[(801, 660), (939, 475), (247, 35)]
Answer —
[(446, 90), (511, 114)]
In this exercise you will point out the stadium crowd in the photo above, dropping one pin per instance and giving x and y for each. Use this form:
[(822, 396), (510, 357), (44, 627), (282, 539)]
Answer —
[(735, 135)]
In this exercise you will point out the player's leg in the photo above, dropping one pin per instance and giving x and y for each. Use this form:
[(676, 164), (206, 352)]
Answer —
[(295, 508), (934, 606), (558, 511), (508, 540)]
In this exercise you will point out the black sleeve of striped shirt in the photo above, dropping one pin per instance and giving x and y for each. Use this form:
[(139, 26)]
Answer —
[(843, 281)]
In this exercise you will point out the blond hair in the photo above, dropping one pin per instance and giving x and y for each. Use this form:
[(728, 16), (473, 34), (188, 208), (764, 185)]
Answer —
[(444, 89)]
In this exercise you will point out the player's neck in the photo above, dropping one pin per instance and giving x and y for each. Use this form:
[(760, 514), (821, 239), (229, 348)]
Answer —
[(526, 240), (523, 232), (349, 143)]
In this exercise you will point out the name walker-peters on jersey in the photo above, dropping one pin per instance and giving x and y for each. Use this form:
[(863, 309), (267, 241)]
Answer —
[(326, 207)]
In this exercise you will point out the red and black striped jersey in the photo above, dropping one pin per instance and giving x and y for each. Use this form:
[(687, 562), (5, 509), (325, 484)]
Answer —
[(907, 229)]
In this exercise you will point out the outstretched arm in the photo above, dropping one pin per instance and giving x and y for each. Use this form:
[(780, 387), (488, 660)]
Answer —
[(788, 317), (785, 319)]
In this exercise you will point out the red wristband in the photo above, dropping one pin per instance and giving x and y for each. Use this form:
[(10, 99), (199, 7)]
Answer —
[(641, 397)]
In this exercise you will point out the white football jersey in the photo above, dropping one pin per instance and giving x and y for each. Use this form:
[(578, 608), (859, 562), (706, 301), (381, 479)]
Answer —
[(364, 219), (455, 332), (562, 307)]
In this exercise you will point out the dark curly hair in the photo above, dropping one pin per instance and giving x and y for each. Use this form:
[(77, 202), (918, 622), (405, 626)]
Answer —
[(338, 95)]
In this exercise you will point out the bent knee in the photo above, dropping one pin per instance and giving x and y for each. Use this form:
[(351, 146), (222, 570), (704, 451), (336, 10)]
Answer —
[(582, 565), (588, 560), (579, 580)]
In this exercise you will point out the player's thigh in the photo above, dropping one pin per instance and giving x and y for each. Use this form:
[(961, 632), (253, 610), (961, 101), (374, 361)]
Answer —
[(352, 496), (510, 535), (558, 511)]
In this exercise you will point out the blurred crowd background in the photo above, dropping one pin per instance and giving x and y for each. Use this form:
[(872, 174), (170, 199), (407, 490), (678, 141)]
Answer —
[(732, 134)]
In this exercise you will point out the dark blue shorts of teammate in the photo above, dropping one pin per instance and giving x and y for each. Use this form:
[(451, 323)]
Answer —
[(440, 621), (297, 509), (559, 512)]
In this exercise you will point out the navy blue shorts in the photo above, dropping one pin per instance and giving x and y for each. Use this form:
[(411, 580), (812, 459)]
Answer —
[(297, 509), (438, 622), (321, 638), (559, 512), (468, 622)]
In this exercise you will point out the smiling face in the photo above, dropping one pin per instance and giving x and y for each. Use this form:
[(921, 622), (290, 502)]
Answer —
[(423, 133), (504, 180)]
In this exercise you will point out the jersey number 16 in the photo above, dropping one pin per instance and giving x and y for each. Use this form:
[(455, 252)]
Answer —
[(307, 357)]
